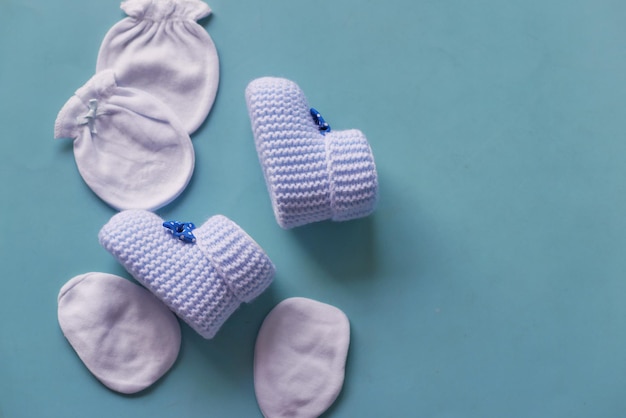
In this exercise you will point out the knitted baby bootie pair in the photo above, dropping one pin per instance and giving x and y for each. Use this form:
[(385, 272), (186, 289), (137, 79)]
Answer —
[(203, 274)]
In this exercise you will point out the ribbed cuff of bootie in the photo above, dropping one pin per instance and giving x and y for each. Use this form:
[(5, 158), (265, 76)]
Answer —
[(352, 175), (203, 281), (312, 173)]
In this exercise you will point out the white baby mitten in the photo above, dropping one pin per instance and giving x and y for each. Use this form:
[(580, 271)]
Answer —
[(161, 49), (300, 358), (202, 274), (124, 335), (130, 148), (313, 173)]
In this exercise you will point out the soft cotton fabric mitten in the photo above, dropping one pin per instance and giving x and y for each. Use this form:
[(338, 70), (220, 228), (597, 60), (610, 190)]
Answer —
[(130, 149), (299, 358), (313, 173), (203, 274), (161, 49), (124, 335)]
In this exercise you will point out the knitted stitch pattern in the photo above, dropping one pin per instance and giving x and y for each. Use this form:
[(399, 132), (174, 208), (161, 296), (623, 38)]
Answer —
[(202, 282), (310, 177)]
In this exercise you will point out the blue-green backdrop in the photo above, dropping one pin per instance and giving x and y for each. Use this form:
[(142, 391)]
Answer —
[(489, 283)]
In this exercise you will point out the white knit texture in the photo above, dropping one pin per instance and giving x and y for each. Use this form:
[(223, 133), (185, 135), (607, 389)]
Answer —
[(310, 177), (203, 282)]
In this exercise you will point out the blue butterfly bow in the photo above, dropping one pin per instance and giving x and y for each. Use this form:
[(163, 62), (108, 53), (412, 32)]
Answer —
[(181, 230), (322, 125)]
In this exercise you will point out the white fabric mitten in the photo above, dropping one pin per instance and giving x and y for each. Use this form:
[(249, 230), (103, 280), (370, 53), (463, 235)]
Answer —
[(299, 358), (161, 49), (130, 148), (124, 335)]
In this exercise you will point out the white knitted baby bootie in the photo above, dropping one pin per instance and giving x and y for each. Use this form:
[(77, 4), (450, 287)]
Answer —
[(312, 173), (202, 274)]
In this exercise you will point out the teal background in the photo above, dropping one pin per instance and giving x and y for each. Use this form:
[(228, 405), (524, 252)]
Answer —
[(490, 282)]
